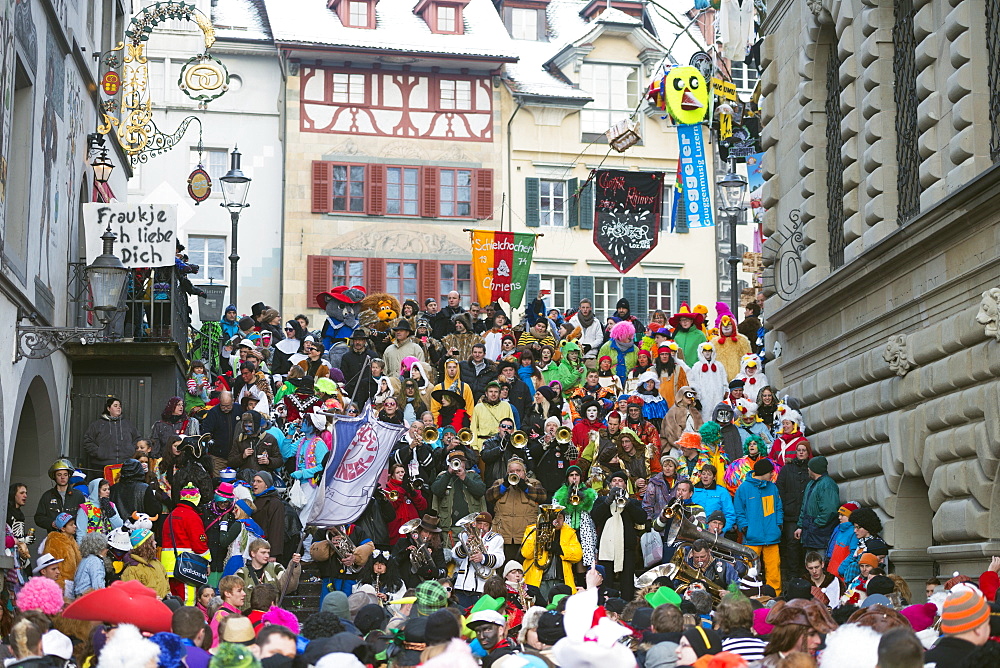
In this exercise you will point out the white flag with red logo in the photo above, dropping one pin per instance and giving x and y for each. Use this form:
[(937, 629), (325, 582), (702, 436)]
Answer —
[(360, 452)]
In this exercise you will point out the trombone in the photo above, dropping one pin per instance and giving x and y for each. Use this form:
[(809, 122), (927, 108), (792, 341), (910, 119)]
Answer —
[(519, 439)]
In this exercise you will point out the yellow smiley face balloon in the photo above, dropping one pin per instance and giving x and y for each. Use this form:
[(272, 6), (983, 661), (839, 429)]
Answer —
[(687, 95)]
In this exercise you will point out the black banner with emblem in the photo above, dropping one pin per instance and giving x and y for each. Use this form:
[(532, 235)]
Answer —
[(627, 215)]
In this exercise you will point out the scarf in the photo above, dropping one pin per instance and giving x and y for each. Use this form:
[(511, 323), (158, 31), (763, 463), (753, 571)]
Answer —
[(612, 546), (585, 321), (621, 370)]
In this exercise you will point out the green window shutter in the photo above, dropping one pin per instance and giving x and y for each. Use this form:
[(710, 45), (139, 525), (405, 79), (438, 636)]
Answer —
[(534, 284), (586, 288), (681, 221), (574, 292), (640, 308), (572, 203), (587, 215), (531, 204), (683, 292), (630, 293)]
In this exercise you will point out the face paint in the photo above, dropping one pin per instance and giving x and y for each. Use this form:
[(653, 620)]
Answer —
[(488, 635)]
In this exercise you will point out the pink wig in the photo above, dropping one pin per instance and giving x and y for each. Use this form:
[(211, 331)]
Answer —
[(281, 617), (407, 363), (40, 593), (623, 331)]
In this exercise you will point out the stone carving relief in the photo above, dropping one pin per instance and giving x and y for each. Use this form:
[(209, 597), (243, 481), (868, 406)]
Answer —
[(396, 242), (989, 312), (897, 354)]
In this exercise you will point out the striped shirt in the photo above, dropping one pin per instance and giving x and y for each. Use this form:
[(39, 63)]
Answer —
[(751, 649)]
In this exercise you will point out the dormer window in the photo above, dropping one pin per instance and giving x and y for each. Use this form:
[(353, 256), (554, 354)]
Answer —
[(524, 23), (443, 18), (354, 13)]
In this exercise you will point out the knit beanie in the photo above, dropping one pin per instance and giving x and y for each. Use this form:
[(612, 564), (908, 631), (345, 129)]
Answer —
[(818, 465), (762, 466), (880, 584), (139, 536), (920, 616), (867, 520), (191, 493), (547, 392), (574, 469), (848, 509), (869, 559), (964, 611), (703, 641), (266, 477)]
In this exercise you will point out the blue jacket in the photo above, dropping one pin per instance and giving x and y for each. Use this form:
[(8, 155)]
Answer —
[(714, 499), (89, 575), (759, 512)]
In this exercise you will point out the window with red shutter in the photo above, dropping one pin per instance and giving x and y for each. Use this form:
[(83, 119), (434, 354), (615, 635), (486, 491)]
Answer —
[(318, 277), (375, 270), (429, 186), (428, 280), (321, 196), (376, 190), (484, 194)]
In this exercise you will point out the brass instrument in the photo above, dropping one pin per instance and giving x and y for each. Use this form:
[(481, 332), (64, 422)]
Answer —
[(474, 544), (544, 532), (409, 527), (343, 546), (574, 494), (454, 465), (392, 495), (465, 437), (519, 439), (429, 435), (421, 556), (513, 480), (523, 598), (618, 497), (564, 435)]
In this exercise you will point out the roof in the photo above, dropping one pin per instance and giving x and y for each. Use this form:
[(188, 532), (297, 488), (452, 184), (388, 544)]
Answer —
[(241, 19), (529, 75), (397, 29)]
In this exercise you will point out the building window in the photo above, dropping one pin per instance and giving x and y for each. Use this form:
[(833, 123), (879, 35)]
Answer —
[(834, 161), (209, 253), (447, 18), (455, 193), (524, 23), (401, 190), (607, 292), (358, 17), (349, 188), (615, 89), (457, 277), (349, 88), (216, 162), (401, 280), (456, 94), (661, 297), (744, 77), (552, 203), (347, 272), (558, 297)]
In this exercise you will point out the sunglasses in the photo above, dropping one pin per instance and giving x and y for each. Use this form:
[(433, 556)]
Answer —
[(289, 329)]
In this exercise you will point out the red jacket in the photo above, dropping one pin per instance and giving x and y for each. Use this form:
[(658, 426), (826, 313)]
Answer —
[(185, 526), (408, 506)]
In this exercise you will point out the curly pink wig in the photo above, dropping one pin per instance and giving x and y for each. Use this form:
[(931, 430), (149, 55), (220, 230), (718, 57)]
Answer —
[(282, 617), (623, 331), (40, 593)]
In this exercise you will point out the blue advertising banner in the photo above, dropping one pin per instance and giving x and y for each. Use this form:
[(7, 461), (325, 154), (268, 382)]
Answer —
[(694, 176)]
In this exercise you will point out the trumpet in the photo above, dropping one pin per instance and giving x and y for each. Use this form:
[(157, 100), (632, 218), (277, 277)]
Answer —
[(574, 494), (429, 435), (519, 439), (465, 437), (392, 495), (564, 435), (513, 480), (454, 465), (619, 497)]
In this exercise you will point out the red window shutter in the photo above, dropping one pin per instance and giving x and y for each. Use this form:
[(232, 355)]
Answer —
[(376, 190), (319, 277), (484, 194), (375, 275), (429, 185), (429, 280), (321, 195)]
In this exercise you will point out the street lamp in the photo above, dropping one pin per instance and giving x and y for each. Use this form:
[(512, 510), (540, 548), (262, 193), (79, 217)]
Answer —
[(733, 187), (106, 277), (235, 185)]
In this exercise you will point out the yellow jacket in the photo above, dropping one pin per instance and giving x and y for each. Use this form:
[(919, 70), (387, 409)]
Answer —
[(152, 574), (571, 553), (486, 421)]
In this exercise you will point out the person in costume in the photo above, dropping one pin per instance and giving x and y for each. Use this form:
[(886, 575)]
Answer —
[(551, 564), (660, 488), (514, 506), (61, 545), (500, 449), (488, 414), (410, 502), (730, 345), (619, 518), (577, 511), (607, 378), (748, 422), (572, 370), (380, 577), (789, 435), (427, 539), (184, 531), (643, 363), (469, 562), (649, 435), (590, 391), (141, 563), (654, 407), (622, 350), (300, 401), (311, 449), (711, 449), (687, 333), (708, 377), (684, 415), (731, 442), (753, 378), (754, 448), (672, 371), (97, 513), (458, 491), (632, 457)]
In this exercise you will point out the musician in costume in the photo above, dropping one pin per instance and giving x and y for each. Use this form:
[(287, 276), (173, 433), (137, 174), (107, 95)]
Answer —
[(515, 506), (478, 553), (381, 577), (347, 549), (619, 518), (578, 500), (550, 548), (457, 491), (254, 449), (709, 567), (419, 554), (500, 449), (519, 593)]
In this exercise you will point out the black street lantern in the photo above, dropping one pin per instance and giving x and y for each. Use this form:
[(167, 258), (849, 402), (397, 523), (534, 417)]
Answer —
[(733, 187), (106, 276), (235, 186)]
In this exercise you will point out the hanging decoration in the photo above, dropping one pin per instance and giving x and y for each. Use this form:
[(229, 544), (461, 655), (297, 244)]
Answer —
[(627, 215), (199, 182), (126, 106), (500, 265)]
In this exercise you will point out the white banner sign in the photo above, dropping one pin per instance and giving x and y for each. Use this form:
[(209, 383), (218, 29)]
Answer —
[(147, 233)]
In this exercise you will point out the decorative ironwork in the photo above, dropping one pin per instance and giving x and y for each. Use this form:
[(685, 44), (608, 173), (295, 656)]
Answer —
[(993, 73), (127, 110), (904, 69), (37, 342), (834, 163)]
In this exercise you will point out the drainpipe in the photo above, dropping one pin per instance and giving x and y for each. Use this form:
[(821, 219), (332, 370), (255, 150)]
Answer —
[(510, 175)]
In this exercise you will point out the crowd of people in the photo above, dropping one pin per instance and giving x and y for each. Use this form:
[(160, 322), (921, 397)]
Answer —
[(568, 491)]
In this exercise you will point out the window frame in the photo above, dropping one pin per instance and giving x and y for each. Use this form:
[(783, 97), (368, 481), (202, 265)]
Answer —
[(672, 284), (744, 77), (545, 216), (351, 16), (441, 171), (401, 200), (456, 282), (601, 296), (588, 85), (346, 278), (557, 298), (199, 256), (350, 101), (443, 83), (523, 11), (347, 196), (439, 15), (400, 293)]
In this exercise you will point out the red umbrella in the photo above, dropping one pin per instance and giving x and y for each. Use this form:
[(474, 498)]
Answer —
[(123, 603)]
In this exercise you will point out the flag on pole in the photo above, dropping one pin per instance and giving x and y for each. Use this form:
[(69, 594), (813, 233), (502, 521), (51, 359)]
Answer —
[(360, 452), (500, 265)]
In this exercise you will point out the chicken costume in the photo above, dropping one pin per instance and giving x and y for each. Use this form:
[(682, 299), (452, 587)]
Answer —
[(731, 346), (752, 376), (708, 377)]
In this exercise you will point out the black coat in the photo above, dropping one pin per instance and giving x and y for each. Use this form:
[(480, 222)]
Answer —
[(496, 452), (632, 515), (401, 553), (356, 368), (792, 480), (402, 454), (550, 465), (51, 504), (520, 398), (477, 381), (132, 493), (110, 441), (222, 427), (374, 520)]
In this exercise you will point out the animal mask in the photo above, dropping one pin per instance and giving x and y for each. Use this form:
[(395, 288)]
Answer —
[(686, 95)]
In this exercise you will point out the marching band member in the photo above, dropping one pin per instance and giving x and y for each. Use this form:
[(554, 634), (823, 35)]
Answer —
[(578, 500), (619, 517), (476, 563), (515, 506), (550, 548)]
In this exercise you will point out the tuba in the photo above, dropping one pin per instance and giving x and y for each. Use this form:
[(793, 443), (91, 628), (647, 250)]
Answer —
[(684, 531), (474, 544), (544, 532), (343, 546), (421, 557)]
